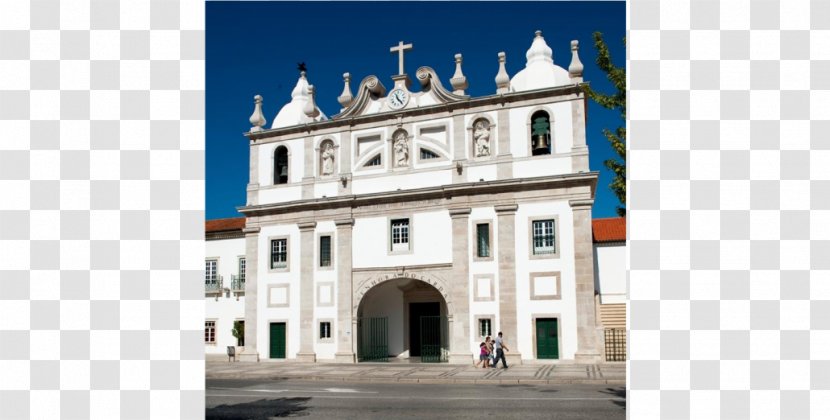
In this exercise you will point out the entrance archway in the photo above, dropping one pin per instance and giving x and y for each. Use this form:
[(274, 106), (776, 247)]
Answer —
[(403, 320)]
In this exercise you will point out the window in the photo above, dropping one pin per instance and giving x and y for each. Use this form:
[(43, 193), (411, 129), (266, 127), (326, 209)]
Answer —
[(540, 133), (428, 154), (279, 253), (281, 165), (325, 330), (325, 251), (543, 237), (484, 327), (210, 332), (483, 240), (375, 161), (210, 272), (400, 234), (242, 268)]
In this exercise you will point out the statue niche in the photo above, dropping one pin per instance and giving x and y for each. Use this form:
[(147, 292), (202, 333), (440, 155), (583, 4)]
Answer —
[(400, 147), (327, 158), (481, 137)]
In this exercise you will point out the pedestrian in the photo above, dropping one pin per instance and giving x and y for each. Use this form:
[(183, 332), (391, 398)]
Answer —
[(490, 353), (482, 356), (500, 349)]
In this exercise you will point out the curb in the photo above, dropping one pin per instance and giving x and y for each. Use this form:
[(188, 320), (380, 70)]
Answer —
[(432, 381)]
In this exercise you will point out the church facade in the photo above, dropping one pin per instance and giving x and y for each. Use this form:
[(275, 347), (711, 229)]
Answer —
[(414, 224)]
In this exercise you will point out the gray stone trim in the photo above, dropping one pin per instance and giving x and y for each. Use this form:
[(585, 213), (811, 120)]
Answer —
[(439, 266), (489, 223), (556, 253), (287, 287), (557, 296), (344, 222), (445, 148), (332, 327), (344, 167), (506, 209), (307, 325), (251, 290), (587, 348), (332, 296), (345, 331), (459, 150), (319, 254), (558, 317), (460, 289), (389, 219), (460, 212), (508, 320), (287, 267), (504, 164), (492, 282)]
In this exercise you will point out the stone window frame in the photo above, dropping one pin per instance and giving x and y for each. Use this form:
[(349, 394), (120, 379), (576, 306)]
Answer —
[(477, 319), (475, 223), (471, 140), (319, 254), (287, 287), (534, 275), (287, 267), (556, 240), (492, 297), (214, 321), (330, 338), (389, 219), (274, 164), (529, 131), (332, 296), (558, 317), (318, 167)]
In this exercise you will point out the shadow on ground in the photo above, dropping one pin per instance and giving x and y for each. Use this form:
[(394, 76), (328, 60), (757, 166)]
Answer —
[(260, 409), (616, 392)]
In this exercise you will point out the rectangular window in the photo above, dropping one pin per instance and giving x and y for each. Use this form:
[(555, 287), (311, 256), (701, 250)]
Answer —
[(210, 332), (325, 251), (400, 234), (484, 327), (210, 271), (543, 239), (325, 330), (242, 268), (279, 253), (483, 240)]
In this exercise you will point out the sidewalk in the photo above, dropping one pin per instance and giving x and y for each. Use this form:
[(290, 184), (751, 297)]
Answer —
[(428, 373)]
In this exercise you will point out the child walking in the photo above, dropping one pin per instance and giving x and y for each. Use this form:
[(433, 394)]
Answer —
[(484, 355)]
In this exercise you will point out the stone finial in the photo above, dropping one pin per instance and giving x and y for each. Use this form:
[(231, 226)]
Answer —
[(502, 79), (576, 67), (310, 108), (257, 119), (346, 97), (458, 81)]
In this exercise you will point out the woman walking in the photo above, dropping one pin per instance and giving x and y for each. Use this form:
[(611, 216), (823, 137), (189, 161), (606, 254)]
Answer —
[(483, 356)]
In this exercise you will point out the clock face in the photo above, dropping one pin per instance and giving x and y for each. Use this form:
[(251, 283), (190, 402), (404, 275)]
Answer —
[(398, 98)]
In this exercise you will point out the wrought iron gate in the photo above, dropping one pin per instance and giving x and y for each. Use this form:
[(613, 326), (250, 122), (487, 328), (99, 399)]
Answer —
[(614, 345), (372, 339), (434, 342)]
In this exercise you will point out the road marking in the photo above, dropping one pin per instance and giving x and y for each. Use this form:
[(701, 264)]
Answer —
[(277, 391), (440, 398)]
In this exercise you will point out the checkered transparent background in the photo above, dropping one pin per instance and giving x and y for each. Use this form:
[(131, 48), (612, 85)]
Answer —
[(102, 209), (729, 204)]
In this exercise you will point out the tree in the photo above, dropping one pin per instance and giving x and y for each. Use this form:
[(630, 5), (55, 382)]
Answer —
[(238, 332), (615, 75)]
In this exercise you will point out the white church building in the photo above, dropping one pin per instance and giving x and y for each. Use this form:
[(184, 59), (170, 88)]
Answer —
[(411, 225)]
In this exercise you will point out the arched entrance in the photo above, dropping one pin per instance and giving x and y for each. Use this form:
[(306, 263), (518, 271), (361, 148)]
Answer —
[(404, 320)]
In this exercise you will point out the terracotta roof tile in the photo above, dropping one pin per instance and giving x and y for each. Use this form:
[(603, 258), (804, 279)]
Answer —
[(609, 230), (223, 225)]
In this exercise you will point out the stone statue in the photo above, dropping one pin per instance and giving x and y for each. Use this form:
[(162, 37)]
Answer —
[(401, 149), (327, 157), (481, 136)]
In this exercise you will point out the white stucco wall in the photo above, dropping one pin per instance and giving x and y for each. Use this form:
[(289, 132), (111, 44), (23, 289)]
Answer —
[(430, 240), (295, 161), (225, 309), (609, 272), (291, 314)]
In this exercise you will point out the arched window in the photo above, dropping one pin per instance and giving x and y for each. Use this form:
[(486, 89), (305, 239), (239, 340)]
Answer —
[(375, 161), (281, 165), (540, 134)]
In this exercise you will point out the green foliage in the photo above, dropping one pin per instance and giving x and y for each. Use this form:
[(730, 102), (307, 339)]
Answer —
[(238, 331), (617, 100)]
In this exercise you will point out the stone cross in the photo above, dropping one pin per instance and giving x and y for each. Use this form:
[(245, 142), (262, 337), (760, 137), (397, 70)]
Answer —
[(400, 49)]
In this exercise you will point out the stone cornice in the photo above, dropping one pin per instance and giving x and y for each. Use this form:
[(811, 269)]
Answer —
[(443, 191), (507, 209), (344, 222), (307, 225), (351, 121), (460, 212), (250, 230), (581, 203)]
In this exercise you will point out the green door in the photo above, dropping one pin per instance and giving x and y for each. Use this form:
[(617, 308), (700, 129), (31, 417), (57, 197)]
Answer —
[(547, 338), (277, 340)]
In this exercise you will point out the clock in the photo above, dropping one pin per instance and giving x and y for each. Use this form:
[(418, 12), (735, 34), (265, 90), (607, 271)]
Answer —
[(398, 98)]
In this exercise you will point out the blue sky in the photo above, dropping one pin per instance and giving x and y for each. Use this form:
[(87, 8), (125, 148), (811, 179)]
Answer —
[(254, 47)]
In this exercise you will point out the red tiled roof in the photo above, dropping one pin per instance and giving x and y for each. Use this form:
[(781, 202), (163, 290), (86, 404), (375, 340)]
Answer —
[(609, 230), (222, 225)]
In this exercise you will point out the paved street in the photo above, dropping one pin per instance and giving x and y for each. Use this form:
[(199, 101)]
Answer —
[(232, 399)]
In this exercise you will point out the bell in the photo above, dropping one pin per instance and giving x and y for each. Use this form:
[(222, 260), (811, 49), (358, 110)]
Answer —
[(541, 142), (284, 171)]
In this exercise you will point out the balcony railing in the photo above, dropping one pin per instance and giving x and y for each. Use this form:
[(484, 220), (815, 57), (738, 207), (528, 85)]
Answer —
[(213, 285), (237, 283)]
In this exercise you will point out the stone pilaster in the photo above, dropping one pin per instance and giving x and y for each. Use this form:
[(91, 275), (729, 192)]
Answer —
[(250, 353), (345, 165), (460, 287), (579, 157), (308, 168), (504, 167), (459, 147), (307, 330), (345, 332), (587, 350), (253, 176), (508, 318)]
